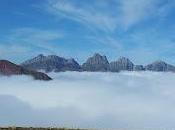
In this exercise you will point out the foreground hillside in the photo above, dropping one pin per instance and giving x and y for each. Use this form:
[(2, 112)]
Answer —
[(8, 68)]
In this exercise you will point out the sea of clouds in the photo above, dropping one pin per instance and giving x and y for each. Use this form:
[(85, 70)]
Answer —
[(90, 100)]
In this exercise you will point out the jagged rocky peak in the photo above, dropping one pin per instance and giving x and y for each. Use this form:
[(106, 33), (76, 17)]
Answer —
[(8, 68), (96, 63), (99, 59), (124, 60), (122, 63), (54, 57), (40, 56), (72, 61), (35, 59), (51, 63), (160, 66)]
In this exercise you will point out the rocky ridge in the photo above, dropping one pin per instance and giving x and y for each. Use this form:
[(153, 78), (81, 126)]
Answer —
[(51, 63), (95, 63)]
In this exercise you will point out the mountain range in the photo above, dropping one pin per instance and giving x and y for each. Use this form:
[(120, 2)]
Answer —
[(95, 63)]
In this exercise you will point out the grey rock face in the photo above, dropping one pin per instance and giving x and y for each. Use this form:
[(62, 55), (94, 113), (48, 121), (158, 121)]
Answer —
[(121, 64), (51, 63), (139, 68), (113, 67), (96, 63), (160, 66)]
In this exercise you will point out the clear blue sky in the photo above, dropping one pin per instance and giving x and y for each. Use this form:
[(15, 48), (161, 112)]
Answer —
[(142, 30)]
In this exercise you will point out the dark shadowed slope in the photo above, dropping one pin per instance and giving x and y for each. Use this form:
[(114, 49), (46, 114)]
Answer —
[(8, 68)]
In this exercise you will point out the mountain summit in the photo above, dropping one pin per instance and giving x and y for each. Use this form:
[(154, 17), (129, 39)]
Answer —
[(160, 66), (51, 63), (121, 64), (96, 63)]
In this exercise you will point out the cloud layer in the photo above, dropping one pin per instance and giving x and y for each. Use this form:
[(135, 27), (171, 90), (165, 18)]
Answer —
[(90, 100), (112, 14)]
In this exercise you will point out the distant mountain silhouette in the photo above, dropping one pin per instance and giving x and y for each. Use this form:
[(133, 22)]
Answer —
[(8, 68), (121, 64), (96, 63), (51, 63), (160, 66)]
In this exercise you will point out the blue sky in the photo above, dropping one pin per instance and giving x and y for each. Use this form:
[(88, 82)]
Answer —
[(142, 30)]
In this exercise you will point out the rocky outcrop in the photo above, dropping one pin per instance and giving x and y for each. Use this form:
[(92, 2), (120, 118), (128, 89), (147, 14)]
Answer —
[(96, 63), (139, 68), (160, 66), (121, 64), (51, 63), (8, 68)]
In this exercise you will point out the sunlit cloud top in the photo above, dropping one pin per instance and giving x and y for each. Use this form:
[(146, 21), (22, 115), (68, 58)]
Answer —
[(134, 100)]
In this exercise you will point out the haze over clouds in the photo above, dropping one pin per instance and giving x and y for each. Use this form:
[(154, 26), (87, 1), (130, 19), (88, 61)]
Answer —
[(90, 100)]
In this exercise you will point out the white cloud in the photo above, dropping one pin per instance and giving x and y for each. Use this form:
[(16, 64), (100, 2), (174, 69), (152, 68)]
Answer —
[(93, 14), (132, 12), (90, 100), (109, 15), (32, 36)]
